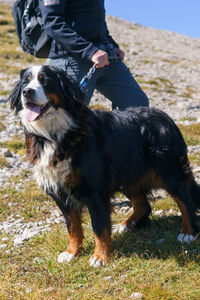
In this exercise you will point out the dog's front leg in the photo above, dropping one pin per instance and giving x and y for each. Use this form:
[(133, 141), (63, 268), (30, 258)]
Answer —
[(99, 210), (74, 225)]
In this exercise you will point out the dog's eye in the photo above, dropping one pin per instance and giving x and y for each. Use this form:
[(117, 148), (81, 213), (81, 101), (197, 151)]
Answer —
[(28, 77), (41, 77)]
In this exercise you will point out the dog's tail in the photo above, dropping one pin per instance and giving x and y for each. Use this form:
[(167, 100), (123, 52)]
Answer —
[(195, 193)]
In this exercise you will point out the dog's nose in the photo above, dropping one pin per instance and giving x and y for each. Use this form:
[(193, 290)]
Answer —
[(28, 93)]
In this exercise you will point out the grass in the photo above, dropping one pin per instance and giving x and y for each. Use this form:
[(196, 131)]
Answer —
[(165, 270), (189, 92), (146, 61), (2, 127), (12, 58), (172, 62), (191, 133), (28, 200), (195, 158), (3, 162), (188, 119), (16, 144), (158, 84), (5, 92), (139, 264)]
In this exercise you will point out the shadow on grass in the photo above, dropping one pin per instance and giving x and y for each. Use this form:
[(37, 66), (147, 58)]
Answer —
[(157, 241)]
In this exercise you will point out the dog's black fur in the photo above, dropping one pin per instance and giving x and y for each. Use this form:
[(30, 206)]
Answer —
[(132, 151)]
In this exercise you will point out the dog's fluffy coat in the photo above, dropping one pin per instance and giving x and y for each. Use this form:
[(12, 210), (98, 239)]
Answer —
[(82, 157)]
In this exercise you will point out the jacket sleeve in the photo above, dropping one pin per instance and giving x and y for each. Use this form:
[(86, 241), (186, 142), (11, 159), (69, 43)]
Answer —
[(110, 39), (57, 28)]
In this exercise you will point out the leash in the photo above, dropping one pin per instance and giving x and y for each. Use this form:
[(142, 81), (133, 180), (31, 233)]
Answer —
[(112, 57), (84, 81)]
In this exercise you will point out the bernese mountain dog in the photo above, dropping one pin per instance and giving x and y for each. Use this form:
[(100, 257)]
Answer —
[(82, 157)]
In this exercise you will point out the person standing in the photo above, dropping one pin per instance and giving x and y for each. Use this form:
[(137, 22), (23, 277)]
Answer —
[(80, 39)]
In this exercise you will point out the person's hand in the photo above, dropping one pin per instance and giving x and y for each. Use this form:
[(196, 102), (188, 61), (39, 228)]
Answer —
[(120, 53), (100, 58)]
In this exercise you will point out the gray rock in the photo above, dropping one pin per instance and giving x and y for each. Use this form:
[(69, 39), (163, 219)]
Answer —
[(8, 153)]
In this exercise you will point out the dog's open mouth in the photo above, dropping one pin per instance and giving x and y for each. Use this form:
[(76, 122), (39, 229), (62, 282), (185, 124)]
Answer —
[(34, 111)]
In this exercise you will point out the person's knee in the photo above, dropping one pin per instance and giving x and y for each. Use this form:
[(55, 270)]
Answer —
[(144, 100), (139, 99), (135, 100)]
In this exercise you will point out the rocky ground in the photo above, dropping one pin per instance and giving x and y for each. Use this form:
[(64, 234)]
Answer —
[(165, 64)]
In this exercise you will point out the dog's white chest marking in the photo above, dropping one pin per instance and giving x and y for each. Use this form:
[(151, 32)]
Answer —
[(48, 176)]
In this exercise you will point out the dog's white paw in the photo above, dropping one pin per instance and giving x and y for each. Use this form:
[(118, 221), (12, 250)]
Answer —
[(65, 257), (95, 262), (186, 238), (119, 228)]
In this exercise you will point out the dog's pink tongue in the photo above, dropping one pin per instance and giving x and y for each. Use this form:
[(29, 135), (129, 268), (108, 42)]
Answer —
[(32, 112)]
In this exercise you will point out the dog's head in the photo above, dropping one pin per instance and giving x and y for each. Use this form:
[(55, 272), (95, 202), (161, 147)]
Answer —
[(44, 94)]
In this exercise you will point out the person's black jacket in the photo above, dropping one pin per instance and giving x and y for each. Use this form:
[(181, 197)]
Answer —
[(76, 26)]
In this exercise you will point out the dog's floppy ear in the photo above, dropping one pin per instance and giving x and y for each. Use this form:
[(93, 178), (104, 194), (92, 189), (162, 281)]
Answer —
[(70, 88), (15, 97), (22, 73)]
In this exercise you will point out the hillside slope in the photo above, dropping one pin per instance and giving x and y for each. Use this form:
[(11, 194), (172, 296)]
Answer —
[(166, 65), (32, 230)]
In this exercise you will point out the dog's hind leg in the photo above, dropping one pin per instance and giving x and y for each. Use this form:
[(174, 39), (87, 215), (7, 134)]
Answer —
[(195, 193), (73, 221), (182, 195), (139, 218), (187, 229)]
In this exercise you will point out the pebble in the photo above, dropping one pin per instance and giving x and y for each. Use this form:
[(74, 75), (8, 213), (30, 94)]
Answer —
[(8, 153), (159, 212), (136, 296), (24, 231), (160, 241), (108, 277)]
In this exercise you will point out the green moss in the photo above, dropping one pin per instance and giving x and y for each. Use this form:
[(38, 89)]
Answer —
[(191, 133)]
